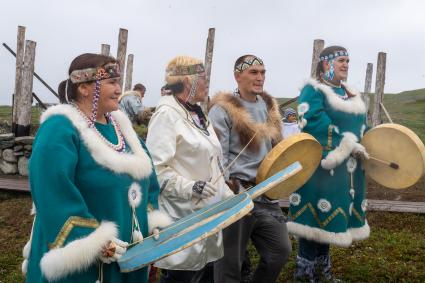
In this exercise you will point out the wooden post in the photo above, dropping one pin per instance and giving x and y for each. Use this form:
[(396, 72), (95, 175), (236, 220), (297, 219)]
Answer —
[(208, 63), (122, 50), (105, 49), (20, 49), (368, 88), (379, 89), (317, 48), (24, 101), (129, 72)]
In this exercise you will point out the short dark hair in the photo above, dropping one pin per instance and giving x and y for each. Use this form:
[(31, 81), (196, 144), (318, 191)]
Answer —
[(139, 87)]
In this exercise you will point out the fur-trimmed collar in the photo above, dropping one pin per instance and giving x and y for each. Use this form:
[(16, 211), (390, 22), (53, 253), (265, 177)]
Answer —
[(354, 104), (137, 164), (243, 123)]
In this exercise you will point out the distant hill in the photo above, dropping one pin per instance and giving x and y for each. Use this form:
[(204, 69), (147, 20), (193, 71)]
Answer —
[(406, 108)]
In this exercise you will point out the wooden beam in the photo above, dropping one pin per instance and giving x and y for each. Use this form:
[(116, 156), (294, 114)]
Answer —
[(122, 51), (129, 72), (20, 49), (368, 88), (208, 63), (24, 101), (317, 48), (379, 89), (105, 49)]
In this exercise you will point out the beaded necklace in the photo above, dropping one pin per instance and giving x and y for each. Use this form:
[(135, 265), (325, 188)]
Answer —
[(120, 146)]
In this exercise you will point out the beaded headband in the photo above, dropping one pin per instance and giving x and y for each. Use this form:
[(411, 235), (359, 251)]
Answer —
[(111, 70), (186, 70), (248, 62), (333, 55)]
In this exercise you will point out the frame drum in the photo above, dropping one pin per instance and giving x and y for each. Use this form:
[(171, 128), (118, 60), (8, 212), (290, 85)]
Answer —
[(301, 147)]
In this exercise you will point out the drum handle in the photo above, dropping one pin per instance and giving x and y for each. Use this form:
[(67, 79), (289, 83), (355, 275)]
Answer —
[(391, 164)]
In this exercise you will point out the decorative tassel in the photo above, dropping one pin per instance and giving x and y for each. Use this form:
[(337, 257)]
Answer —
[(137, 236)]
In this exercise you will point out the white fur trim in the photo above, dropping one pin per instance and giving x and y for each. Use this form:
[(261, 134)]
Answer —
[(136, 164), (361, 233), (318, 235), (302, 123), (341, 152), (134, 195), (78, 254), (354, 105), (362, 130), (158, 219), (33, 210)]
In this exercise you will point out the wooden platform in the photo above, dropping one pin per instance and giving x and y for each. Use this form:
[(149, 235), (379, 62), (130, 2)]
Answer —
[(22, 185), (14, 184), (384, 205)]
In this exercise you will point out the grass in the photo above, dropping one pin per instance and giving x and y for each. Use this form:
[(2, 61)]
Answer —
[(395, 251)]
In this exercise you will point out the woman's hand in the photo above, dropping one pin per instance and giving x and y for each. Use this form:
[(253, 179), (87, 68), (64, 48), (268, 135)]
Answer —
[(113, 251), (203, 190)]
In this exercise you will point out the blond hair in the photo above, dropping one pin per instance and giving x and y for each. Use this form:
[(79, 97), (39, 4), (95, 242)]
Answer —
[(177, 62)]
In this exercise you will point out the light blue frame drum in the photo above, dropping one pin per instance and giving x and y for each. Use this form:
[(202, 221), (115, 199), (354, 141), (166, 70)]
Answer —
[(200, 224)]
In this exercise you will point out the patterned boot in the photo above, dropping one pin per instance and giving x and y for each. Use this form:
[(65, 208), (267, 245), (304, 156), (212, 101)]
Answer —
[(304, 271), (323, 270)]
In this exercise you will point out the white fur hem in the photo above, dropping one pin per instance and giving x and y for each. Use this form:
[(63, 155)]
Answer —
[(341, 152), (354, 105), (158, 219), (78, 254), (137, 164), (318, 235), (360, 233)]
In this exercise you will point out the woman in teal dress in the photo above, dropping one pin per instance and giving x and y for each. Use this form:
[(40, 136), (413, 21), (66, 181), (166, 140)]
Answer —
[(330, 207), (91, 180)]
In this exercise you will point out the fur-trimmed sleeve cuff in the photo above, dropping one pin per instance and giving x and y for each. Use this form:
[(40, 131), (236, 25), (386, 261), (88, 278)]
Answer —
[(341, 152), (78, 254), (158, 219)]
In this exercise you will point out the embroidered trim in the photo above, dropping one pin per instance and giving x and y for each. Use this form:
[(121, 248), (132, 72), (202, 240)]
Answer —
[(73, 221), (323, 224), (357, 215)]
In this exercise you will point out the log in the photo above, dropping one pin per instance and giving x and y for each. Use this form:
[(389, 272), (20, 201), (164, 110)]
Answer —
[(129, 72), (368, 88), (105, 49), (20, 49), (208, 63), (122, 51), (379, 89), (24, 101), (317, 48)]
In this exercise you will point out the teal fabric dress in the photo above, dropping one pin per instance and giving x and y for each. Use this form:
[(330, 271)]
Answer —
[(330, 207), (83, 193)]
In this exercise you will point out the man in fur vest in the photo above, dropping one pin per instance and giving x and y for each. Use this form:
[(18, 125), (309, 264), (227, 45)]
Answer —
[(250, 113), (130, 102)]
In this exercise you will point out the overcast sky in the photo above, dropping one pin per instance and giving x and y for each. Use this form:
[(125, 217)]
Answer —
[(280, 32)]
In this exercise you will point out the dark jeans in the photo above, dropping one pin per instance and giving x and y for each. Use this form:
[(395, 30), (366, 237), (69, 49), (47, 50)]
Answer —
[(205, 275), (266, 227), (311, 250)]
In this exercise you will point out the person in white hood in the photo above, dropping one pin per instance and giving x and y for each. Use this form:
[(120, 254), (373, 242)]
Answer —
[(290, 125)]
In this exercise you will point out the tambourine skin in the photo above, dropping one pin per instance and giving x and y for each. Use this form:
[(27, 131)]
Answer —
[(398, 144), (301, 147)]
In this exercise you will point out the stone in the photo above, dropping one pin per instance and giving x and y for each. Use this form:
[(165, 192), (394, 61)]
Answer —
[(8, 155), (18, 147), (6, 144), (18, 153), (23, 166), (24, 140), (8, 168), (6, 137), (28, 147)]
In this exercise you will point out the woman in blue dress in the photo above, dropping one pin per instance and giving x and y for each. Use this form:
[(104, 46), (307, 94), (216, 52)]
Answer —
[(91, 181), (330, 207)]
